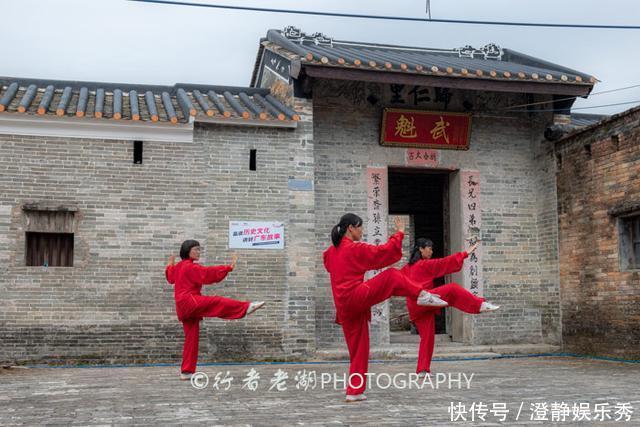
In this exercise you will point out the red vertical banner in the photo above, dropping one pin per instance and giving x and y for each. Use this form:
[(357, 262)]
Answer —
[(425, 129)]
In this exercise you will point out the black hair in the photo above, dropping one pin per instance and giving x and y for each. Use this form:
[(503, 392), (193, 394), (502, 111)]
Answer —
[(415, 252), (337, 232), (186, 247)]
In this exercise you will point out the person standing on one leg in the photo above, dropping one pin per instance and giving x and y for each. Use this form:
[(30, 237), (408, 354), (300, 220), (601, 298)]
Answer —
[(424, 270), (188, 276), (347, 260)]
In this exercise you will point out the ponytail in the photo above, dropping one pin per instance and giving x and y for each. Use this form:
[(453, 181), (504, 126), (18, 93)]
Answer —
[(415, 252), (339, 230)]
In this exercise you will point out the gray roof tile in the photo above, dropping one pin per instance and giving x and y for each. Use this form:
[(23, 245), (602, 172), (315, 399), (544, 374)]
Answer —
[(25, 96), (488, 62)]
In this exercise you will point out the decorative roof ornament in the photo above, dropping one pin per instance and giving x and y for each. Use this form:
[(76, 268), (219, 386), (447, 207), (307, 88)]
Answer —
[(321, 39), (466, 51), (492, 51), (488, 51), (293, 33), (296, 35)]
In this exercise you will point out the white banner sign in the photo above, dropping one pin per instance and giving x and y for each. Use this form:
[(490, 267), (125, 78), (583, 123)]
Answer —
[(256, 235)]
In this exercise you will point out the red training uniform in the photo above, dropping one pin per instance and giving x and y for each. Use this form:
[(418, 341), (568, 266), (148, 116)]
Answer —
[(191, 306), (353, 297), (424, 272)]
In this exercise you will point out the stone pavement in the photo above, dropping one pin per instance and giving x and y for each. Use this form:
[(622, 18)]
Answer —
[(154, 395)]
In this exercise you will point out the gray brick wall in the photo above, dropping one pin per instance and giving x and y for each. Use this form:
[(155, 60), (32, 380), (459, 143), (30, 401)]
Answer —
[(130, 218), (114, 304), (520, 233), (517, 176)]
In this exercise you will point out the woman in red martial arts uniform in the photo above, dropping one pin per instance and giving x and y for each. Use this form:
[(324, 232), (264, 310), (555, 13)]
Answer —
[(347, 261), (191, 306), (424, 270)]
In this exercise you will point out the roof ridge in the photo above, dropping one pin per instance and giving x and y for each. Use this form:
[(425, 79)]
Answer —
[(181, 102), (605, 120), (319, 50), (125, 87)]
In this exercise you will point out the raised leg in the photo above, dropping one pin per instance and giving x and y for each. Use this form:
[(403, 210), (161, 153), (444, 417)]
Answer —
[(390, 282), (216, 306), (459, 297)]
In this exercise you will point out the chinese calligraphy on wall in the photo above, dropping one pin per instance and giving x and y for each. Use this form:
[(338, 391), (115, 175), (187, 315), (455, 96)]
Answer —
[(256, 235), (418, 157), (425, 129), (470, 183), (377, 224), (418, 95)]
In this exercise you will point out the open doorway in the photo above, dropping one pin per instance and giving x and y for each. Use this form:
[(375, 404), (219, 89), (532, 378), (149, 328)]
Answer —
[(423, 196)]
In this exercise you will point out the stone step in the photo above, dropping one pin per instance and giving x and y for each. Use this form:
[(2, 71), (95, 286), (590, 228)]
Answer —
[(527, 348), (464, 356), (407, 337), (445, 351)]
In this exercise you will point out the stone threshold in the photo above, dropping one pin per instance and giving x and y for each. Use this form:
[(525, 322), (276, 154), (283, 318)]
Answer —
[(455, 351)]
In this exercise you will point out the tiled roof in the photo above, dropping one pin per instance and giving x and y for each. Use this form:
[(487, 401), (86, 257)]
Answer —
[(490, 62), (173, 104), (577, 123), (604, 121), (581, 119)]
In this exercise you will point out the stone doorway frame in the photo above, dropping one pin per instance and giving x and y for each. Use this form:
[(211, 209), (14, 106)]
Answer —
[(464, 189)]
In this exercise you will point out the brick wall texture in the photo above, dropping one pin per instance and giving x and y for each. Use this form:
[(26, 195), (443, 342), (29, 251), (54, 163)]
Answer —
[(598, 172), (114, 305), (517, 173)]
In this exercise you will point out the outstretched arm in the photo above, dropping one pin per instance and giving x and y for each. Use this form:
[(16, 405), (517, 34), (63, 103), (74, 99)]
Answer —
[(168, 271), (207, 275), (380, 256), (212, 274), (442, 266), (452, 263)]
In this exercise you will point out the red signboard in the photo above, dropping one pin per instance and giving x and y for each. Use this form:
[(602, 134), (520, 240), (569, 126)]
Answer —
[(425, 129)]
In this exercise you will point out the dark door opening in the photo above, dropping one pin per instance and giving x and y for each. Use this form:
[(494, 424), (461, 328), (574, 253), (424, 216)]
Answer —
[(423, 196)]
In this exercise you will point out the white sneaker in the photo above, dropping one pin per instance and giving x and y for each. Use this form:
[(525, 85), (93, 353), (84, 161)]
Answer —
[(431, 300), (355, 398), (254, 306), (185, 376), (487, 306)]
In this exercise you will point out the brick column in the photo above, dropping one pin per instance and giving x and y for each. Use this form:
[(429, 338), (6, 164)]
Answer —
[(300, 315)]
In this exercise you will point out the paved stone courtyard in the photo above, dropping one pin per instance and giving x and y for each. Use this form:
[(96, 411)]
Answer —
[(154, 395)]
